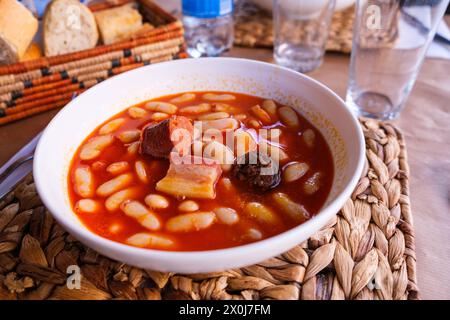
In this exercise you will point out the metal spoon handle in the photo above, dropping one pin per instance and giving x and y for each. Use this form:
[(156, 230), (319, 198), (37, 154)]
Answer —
[(16, 164)]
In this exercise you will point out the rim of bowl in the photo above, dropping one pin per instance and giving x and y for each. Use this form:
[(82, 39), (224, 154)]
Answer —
[(81, 232)]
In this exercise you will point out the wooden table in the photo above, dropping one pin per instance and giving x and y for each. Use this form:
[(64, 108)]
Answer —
[(426, 125)]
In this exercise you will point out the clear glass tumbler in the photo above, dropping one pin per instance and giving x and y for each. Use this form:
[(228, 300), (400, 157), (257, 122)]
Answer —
[(301, 30), (390, 40)]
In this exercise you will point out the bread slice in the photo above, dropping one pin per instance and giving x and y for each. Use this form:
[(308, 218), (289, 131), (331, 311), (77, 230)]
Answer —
[(17, 28), (118, 23), (33, 52), (68, 26)]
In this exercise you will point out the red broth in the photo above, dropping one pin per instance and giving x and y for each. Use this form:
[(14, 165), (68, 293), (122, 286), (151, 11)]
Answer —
[(117, 226)]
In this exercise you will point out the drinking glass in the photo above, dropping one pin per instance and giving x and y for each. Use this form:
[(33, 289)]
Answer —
[(301, 30), (390, 40)]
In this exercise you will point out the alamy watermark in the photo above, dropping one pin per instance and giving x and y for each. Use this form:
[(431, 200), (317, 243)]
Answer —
[(218, 146), (373, 14), (74, 277)]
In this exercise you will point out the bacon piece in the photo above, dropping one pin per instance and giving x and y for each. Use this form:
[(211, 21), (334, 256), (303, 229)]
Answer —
[(192, 177)]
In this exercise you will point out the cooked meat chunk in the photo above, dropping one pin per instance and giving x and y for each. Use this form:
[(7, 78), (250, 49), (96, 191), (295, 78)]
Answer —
[(258, 170), (191, 177), (159, 139)]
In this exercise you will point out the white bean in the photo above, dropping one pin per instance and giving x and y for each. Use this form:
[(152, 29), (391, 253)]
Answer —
[(190, 222), (270, 106), (221, 124), (186, 97), (94, 147), (129, 136), (256, 124), (226, 108), (159, 106), (188, 206), (141, 171), (87, 205), (227, 184), (221, 153), (134, 209), (133, 148), (277, 154), (159, 116), (136, 112), (312, 185), (114, 201), (295, 210), (227, 216), (150, 240), (260, 212), (294, 171), (201, 108), (240, 117), (254, 234), (289, 117), (144, 216), (118, 167), (114, 185), (111, 126), (150, 221), (214, 116), (84, 182), (261, 114), (156, 201), (309, 137), (218, 97)]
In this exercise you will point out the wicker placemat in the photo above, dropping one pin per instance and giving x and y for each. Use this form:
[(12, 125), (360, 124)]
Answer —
[(254, 28), (366, 252)]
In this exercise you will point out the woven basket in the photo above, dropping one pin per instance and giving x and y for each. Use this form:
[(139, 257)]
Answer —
[(31, 87)]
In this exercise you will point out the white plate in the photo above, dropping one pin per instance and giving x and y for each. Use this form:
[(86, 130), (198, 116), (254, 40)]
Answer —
[(81, 116)]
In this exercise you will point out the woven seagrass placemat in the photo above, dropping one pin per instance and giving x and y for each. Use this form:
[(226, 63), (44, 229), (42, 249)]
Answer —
[(254, 28), (366, 252)]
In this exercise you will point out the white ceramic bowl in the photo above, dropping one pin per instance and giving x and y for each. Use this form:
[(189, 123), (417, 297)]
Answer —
[(81, 116)]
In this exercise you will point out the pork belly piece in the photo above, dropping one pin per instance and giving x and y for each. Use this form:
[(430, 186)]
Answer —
[(192, 177), (159, 139)]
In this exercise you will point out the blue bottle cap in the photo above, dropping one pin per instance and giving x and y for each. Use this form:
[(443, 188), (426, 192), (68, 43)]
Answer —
[(207, 8)]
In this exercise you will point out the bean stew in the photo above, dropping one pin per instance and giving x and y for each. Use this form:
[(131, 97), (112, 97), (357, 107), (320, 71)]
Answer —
[(200, 171)]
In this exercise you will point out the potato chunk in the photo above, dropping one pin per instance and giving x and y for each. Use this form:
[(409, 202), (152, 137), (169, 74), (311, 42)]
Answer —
[(190, 177)]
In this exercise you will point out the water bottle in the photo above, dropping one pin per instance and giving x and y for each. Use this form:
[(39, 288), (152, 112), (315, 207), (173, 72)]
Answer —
[(208, 27)]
